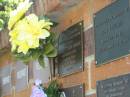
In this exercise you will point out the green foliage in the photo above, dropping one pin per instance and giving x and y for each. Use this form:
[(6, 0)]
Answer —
[(48, 48), (53, 89), (22, 57), (53, 53), (1, 0), (5, 7), (41, 61), (1, 24)]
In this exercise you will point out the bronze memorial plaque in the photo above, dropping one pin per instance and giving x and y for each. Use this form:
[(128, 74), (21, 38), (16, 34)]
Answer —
[(70, 50), (112, 32), (114, 87), (75, 91)]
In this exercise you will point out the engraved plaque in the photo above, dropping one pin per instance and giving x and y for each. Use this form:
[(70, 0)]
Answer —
[(112, 31), (75, 91), (21, 76), (5, 81), (114, 87), (70, 50)]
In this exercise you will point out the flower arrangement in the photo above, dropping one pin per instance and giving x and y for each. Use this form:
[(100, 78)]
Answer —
[(30, 36), (53, 90)]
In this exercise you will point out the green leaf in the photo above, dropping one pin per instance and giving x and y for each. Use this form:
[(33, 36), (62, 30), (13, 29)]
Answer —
[(20, 56), (1, 24), (52, 39), (1, 0), (53, 53), (53, 89), (48, 48), (25, 59), (41, 61), (35, 54)]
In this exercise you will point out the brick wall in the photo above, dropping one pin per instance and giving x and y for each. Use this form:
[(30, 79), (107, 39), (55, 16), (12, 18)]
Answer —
[(4, 39), (84, 10), (42, 7), (93, 95)]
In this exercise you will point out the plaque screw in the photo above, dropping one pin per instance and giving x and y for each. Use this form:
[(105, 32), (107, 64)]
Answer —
[(81, 87), (80, 24), (94, 15), (96, 62)]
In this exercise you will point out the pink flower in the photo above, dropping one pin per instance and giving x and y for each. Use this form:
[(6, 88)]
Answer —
[(37, 91), (38, 82)]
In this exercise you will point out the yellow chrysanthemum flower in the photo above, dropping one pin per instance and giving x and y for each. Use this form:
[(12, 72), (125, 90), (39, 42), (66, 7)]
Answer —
[(18, 13), (27, 33)]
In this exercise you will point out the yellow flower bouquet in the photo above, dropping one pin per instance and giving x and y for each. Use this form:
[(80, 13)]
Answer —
[(30, 37)]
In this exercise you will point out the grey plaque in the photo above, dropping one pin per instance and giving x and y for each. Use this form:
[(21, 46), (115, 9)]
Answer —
[(112, 31), (114, 87), (41, 73), (5, 81), (75, 91), (21, 76), (70, 50)]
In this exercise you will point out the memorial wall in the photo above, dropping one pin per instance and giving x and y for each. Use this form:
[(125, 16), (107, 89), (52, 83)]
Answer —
[(105, 48), (93, 51)]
